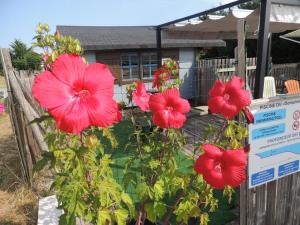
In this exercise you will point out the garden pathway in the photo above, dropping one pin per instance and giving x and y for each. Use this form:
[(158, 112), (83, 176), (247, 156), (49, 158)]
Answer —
[(194, 127)]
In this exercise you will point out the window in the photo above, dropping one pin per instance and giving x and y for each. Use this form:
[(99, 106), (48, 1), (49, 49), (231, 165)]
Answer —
[(149, 65), (138, 65), (130, 66)]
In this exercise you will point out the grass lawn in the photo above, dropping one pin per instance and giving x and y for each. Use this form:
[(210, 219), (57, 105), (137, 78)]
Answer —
[(122, 130)]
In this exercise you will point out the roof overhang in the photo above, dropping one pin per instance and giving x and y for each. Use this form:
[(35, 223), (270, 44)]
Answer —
[(282, 18), (292, 36)]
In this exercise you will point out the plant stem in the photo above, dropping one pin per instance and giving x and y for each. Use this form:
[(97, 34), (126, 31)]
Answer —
[(219, 135), (141, 209), (178, 200), (171, 210)]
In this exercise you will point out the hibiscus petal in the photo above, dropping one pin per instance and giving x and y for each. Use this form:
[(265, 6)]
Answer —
[(102, 110), (50, 92), (212, 151), (182, 105), (215, 179), (141, 101), (230, 110), (217, 89), (176, 119), (235, 82), (215, 104), (99, 80), (234, 175), (203, 164), (161, 118), (242, 98), (157, 102), (235, 157), (69, 68), (71, 117), (141, 88), (171, 93)]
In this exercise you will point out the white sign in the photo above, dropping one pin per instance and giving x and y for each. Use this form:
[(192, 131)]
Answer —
[(274, 139)]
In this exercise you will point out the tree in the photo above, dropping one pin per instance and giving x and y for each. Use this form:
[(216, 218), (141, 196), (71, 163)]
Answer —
[(24, 58), (250, 5)]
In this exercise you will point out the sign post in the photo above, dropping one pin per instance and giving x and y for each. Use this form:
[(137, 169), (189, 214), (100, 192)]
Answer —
[(274, 139)]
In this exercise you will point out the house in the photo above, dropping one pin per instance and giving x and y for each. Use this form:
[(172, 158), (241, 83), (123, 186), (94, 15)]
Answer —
[(130, 52)]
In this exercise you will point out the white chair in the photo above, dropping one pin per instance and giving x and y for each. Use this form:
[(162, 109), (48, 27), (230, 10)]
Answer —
[(269, 87)]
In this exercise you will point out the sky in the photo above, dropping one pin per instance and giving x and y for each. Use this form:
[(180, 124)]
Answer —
[(18, 18)]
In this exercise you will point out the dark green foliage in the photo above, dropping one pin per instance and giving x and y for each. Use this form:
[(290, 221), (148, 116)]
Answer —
[(24, 58), (250, 5)]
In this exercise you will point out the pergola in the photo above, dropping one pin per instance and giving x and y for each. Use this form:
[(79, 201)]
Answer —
[(273, 16)]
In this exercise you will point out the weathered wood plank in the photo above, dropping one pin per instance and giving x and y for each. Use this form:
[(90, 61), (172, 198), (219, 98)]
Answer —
[(261, 205), (271, 202)]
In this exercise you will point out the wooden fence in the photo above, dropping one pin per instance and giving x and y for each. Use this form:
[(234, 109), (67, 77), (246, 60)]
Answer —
[(212, 69), (22, 110)]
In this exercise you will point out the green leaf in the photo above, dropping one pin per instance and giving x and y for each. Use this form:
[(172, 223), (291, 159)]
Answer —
[(141, 190), (121, 216), (204, 219), (46, 158), (67, 219), (158, 190), (110, 136), (154, 164), (129, 178), (128, 201), (103, 216), (40, 119), (151, 215), (160, 209)]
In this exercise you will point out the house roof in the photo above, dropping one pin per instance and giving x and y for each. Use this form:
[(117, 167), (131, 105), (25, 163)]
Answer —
[(128, 37)]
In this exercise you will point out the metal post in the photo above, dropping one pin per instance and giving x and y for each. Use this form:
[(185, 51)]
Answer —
[(269, 61), (241, 52), (262, 47), (158, 46)]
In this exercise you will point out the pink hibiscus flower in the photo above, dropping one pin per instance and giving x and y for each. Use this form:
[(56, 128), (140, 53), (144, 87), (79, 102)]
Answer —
[(1, 108), (119, 113), (228, 99), (222, 167), (249, 115), (77, 95), (141, 97), (161, 75), (169, 109)]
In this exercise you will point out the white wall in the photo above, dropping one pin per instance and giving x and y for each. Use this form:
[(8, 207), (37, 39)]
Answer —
[(186, 72), (120, 91)]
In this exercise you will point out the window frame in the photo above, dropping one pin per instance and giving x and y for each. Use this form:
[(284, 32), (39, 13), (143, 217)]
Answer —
[(130, 66), (149, 64)]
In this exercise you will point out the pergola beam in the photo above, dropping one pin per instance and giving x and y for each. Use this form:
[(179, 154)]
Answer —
[(204, 13)]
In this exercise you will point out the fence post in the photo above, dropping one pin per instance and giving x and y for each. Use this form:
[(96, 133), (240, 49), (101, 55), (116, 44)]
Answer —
[(7, 66), (29, 138)]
